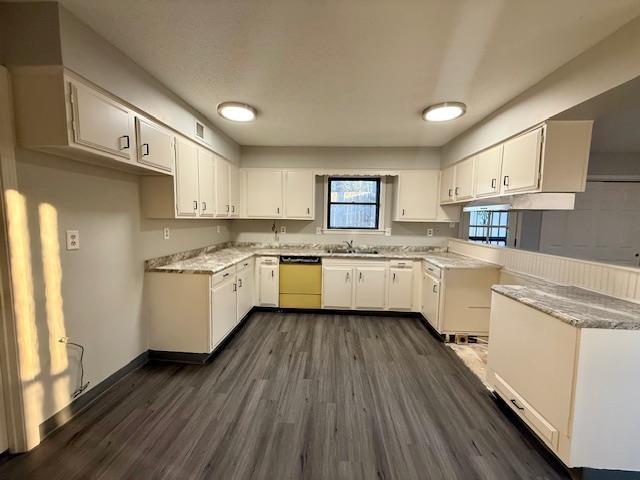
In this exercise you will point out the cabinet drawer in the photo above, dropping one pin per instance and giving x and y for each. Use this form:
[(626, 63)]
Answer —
[(243, 265), (534, 419), (401, 263), (224, 275), (432, 270)]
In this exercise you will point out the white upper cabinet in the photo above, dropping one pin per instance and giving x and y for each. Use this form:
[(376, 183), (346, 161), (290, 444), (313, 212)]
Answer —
[(156, 145), (488, 169), (234, 190), (100, 123), (223, 180), (447, 184), (521, 162), (206, 183), (299, 194), (417, 196), (370, 287), (264, 193), (464, 178), (186, 179)]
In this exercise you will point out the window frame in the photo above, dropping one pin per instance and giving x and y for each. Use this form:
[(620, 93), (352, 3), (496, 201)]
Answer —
[(488, 239), (380, 202)]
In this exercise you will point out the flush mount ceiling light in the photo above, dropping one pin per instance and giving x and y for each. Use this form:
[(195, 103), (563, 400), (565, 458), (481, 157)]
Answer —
[(441, 112), (237, 112)]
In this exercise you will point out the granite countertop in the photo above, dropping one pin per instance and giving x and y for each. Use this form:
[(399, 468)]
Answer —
[(576, 306), (216, 261)]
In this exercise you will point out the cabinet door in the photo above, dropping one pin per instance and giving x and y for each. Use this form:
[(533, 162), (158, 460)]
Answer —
[(464, 176), (430, 299), (206, 182), (223, 205), (156, 145), (400, 288), (521, 162), (370, 287), (186, 179), (299, 192), (264, 193), (488, 168), (234, 190), (101, 123), (223, 318), (337, 285), (268, 288), (417, 196), (447, 184), (245, 292)]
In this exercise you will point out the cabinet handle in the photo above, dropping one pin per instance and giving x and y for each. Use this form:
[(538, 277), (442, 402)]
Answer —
[(435, 289), (347, 277), (308, 210), (451, 192), (239, 283), (233, 209), (493, 183), (278, 209), (204, 206), (506, 181), (457, 190), (226, 275), (513, 400), (273, 273), (394, 277), (125, 137), (235, 287), (145, 149), (195, 205), (360, 276), (227, 208), (430, 269)]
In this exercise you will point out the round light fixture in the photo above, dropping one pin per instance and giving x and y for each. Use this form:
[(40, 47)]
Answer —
[(237, 112), (441, 112)]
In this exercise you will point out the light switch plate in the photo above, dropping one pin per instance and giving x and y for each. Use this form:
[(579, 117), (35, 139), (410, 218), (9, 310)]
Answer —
[(166, 233), (283, 229), (73, 240), (387, 232), (429, 232)]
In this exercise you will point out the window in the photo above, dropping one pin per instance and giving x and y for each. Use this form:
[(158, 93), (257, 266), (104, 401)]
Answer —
[(489, 227), (353, 203)]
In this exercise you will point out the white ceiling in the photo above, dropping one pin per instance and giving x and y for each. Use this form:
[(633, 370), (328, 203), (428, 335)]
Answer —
[(351, 72)]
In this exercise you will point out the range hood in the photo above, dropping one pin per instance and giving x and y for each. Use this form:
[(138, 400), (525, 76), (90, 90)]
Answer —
[(525, 201)]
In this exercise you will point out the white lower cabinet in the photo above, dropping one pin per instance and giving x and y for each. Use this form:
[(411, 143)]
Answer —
[(431, 299), (401, 286), (223, 306), (245, 283), (337, 286), (370, 286), (268, 281)]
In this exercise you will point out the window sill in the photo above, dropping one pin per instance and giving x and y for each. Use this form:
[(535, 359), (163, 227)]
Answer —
[(341, 231)]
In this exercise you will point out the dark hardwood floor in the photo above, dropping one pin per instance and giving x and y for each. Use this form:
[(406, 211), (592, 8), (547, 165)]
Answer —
[(297, 396)]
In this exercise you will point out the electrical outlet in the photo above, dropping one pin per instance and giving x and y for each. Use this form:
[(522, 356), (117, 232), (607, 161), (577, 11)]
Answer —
[(218, 229), (283, 229), (73, 240), (429, 232), (318, 230), (166, 233), (387, 232), (452, 224)]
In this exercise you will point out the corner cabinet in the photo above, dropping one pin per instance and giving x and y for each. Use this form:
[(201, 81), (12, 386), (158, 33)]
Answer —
[(273, 193), (85, 123), (417, 198), (552, 157)]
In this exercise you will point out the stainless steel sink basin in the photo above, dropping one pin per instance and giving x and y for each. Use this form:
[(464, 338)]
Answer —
[(354, 251)]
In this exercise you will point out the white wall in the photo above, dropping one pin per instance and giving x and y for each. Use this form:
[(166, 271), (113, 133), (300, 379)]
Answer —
[(606, 65), (402, 233), (89, 55), (92, 295), (614, 165)]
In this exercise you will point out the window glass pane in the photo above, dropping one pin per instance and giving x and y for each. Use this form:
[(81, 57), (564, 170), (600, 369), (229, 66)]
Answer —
[(354, 191), (503, 219), (353, 216)]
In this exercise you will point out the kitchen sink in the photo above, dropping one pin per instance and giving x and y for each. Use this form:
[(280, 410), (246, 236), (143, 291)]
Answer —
[(353, 251)]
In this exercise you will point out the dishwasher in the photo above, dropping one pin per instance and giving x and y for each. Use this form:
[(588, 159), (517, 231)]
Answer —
[(300, 282)]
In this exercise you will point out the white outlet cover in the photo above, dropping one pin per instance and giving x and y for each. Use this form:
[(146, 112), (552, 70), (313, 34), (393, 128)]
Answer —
[(387, 231), (218, 229), (429, 232), (73, 240), (166, 233), (283, 229), (318, 230)]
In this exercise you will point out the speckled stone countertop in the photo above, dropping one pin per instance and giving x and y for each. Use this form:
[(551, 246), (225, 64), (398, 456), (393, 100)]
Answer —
[(576, 306), (213, 261)]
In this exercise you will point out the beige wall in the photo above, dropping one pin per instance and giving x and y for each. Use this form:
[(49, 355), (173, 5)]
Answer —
[(92, 295), (614, 165), (606, 65)]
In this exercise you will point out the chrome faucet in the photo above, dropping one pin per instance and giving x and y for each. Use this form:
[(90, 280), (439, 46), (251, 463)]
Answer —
[(349, 243)]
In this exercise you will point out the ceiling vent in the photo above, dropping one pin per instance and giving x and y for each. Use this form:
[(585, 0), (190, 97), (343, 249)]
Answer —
[(199, 130)]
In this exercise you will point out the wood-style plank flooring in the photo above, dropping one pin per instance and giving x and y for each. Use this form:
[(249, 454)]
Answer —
[(296, 396)]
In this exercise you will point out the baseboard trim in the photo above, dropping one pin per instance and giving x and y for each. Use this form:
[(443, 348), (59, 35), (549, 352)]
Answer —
[(335, 311), (78, 405), (178, 357)]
